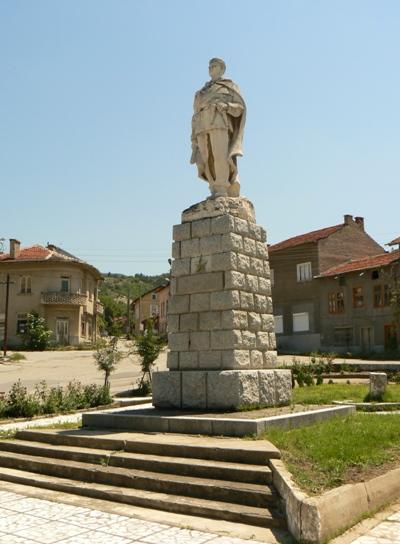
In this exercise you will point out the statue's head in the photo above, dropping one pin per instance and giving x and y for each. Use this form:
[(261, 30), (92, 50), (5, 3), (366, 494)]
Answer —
[(216, 68)]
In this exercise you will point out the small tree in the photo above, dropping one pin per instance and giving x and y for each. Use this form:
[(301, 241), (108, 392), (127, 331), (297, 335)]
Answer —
[(148, 348), (107, 359), (36, 335)]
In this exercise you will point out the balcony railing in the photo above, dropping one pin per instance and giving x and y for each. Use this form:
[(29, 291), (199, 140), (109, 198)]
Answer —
[(61, 297)]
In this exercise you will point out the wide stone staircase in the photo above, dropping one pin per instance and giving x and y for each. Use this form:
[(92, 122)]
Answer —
[(227, 479)]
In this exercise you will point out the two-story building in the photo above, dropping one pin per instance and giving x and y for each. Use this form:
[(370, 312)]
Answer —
[(56, 285), (356, 304), (295, 264), (152, 304)]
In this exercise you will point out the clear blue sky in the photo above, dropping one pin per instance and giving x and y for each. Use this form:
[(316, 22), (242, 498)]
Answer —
[(96, 101)]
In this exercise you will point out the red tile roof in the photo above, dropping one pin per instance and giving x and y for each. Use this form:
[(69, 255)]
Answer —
[(376, 261), (313, 236), (39, 253), (33, 253)]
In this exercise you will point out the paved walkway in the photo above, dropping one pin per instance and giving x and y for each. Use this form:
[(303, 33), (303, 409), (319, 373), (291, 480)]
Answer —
[(382, 528), (28, 520)]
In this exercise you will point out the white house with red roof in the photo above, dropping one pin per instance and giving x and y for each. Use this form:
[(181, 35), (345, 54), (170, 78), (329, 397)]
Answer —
[(298, 265), (53, 283)]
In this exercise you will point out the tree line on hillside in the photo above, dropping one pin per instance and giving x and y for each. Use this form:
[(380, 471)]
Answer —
[(114, 292)]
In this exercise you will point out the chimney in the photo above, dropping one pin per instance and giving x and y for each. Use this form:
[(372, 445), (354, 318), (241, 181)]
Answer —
[(360, 222), (15, 248), (348, 219)]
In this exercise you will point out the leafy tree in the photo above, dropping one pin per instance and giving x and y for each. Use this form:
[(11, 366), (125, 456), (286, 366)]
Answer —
[(37, 335), (107, 359), (148, 347), (114, 310)]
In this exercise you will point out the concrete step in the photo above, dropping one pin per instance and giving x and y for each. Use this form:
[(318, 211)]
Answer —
[(214, 470), (220, 490), (263, 517), (255, 452)]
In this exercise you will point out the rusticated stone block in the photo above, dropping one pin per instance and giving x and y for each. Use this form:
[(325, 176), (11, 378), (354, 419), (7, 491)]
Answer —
[(256, 266), (263, 340), (234, 319), (255, 231), (210, 244), (256, 359), (266, 381), (173, 323), (194, 390), (246, 301), (225, 300), (210, 359), (190, 248), (176, 250), (180, 267), (248, 339), (224, 261), (166, 387), (188, 360), (241, 226), (200, 302), (264, 286), (270, 359), (173, 360), (262, 250), (201, 228), (236, 359), (272, 340), (178, 304), (263, 235), (188, 322), (229, 339), (223, 224), (251, 283), (249, 247), (172, 287), (234, 280), (254, 321), (267, 322), (178, 341), (260, 303), (209, 321), (231, 242), (269, 309), (200, 340), (200, 283), (231, 389), (243, 263), (200, 265), (181, 232), (283, 386)]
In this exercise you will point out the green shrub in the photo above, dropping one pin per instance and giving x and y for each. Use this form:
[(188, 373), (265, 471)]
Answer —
[(17, 357)]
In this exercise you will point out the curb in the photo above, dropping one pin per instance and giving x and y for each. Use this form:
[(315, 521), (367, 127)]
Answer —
[(315, 520)]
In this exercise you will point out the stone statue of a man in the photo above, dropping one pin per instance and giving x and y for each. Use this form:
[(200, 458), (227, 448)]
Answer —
[(217, 131)]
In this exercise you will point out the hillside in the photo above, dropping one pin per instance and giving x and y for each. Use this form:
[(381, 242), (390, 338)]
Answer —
[(113, 293)]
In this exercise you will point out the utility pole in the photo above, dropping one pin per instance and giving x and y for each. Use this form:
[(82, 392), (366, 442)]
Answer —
[(7, 284), (128, 322)]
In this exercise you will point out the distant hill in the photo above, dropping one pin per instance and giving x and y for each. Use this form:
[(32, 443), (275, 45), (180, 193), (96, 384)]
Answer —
[(118, 286), (114, 292)]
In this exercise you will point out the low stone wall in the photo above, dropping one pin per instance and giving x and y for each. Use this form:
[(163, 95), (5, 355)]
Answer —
[(315, 520)]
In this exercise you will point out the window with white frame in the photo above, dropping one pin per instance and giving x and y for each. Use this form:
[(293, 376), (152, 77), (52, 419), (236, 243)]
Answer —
[(272, 276), (25, 285), (301, 322), (304, 272), (278, 324)]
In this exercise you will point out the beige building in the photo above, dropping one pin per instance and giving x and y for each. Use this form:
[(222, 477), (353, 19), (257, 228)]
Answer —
[(55, 284), (153, 304)]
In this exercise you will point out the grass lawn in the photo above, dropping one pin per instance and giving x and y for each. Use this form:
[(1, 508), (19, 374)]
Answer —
[(339, 451), (326, 393)]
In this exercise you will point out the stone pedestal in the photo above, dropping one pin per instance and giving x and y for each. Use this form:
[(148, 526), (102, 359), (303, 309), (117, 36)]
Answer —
[(377, 384), (220, 323)]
